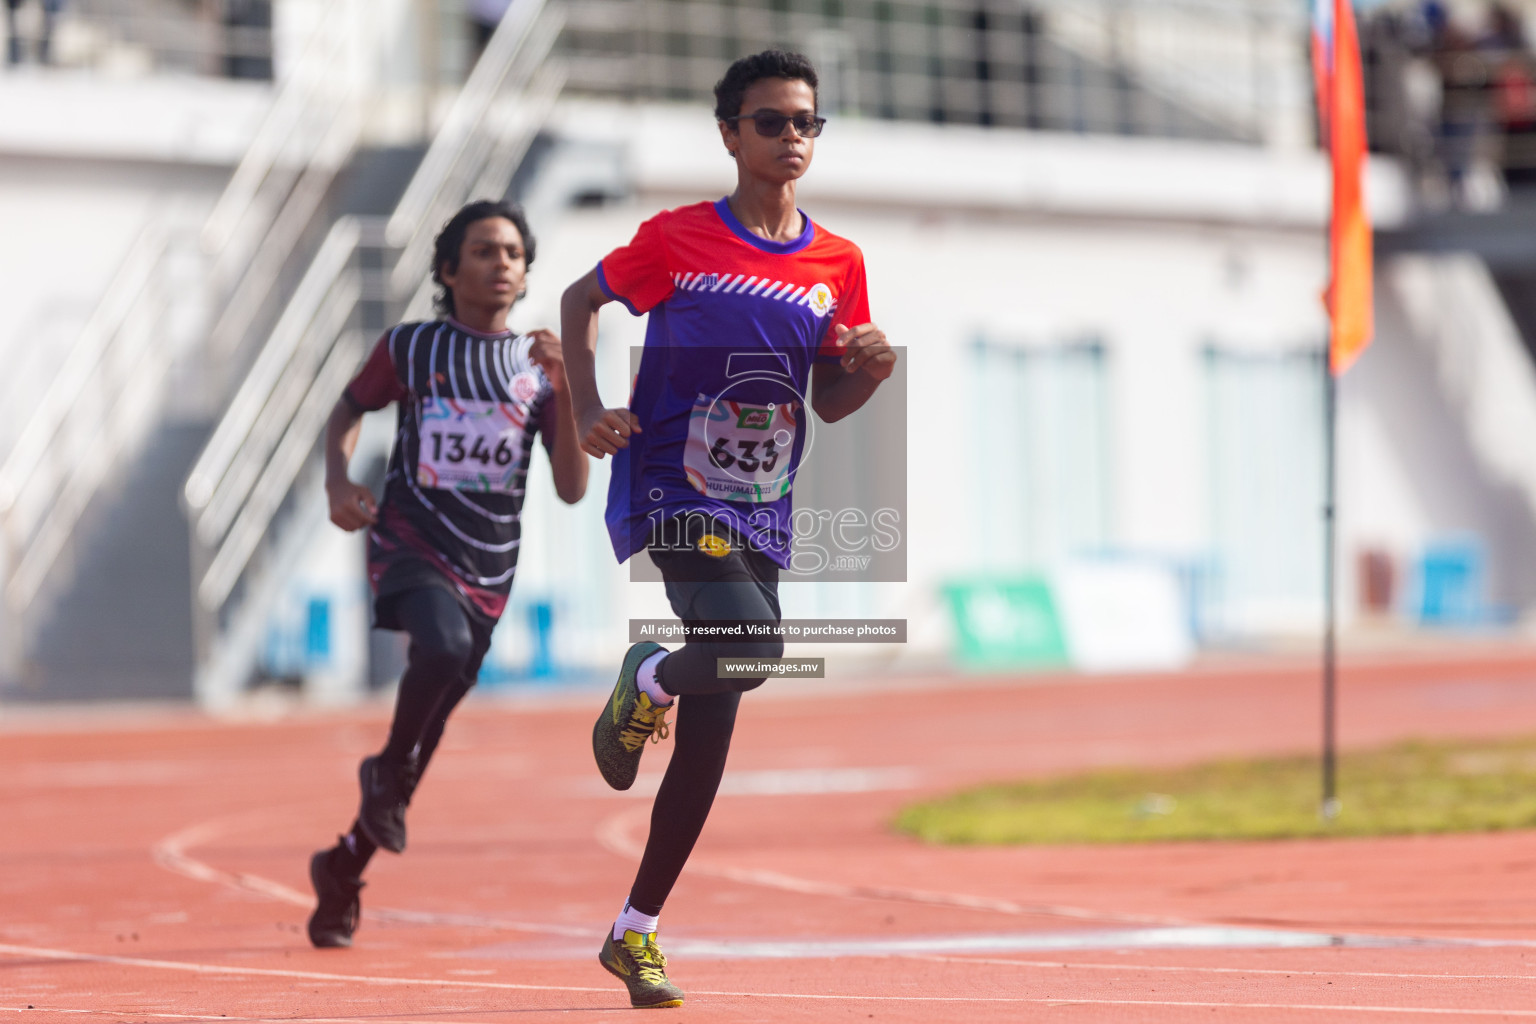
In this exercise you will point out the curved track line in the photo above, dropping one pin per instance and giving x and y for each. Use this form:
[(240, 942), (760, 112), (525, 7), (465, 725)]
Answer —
[(616, 835), (171, 853)]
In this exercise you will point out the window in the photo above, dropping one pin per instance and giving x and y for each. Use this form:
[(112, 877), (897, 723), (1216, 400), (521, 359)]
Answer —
[(1265, 443), (1040, 472)]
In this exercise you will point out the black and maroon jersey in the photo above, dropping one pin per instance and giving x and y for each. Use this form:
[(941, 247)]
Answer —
[(469, 406)]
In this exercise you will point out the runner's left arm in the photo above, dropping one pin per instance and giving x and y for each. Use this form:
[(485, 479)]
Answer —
[(567, 462), (841, 388), (852, 361)]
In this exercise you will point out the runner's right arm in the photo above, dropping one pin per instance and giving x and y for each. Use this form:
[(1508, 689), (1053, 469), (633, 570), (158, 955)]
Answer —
[(601, 431), (353, 506)]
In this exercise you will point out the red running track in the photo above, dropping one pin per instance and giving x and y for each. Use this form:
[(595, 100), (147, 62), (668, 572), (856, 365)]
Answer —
[(153, 865)]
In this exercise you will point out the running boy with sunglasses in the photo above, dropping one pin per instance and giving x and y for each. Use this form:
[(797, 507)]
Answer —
[(749, 302)]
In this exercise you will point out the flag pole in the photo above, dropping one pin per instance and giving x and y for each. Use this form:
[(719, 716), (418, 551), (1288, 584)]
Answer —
[(1341, 116), (1329, 809)]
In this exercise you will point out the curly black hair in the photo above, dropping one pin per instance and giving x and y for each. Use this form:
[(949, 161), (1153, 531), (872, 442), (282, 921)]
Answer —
[(450, 242), (731, 89)]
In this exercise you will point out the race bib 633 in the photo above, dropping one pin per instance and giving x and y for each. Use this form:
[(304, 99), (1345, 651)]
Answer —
[(740, 451)]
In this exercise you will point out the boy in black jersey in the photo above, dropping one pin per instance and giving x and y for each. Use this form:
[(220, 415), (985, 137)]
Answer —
[(443, 541)]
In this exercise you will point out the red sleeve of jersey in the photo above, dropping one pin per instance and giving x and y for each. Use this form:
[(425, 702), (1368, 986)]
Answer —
[(852, 309), (637, 274), (376, 384)]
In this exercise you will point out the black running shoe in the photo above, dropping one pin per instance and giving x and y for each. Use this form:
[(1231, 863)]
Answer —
[(640, 964), (387, 789), (336, 904)]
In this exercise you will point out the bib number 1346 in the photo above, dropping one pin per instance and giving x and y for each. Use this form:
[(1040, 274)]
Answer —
[(468, 445)]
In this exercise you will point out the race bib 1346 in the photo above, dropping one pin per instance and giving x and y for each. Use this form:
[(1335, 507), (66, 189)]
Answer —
[(469, 445)]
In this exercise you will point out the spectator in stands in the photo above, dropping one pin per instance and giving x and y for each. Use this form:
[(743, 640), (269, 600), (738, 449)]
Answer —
[(1513, 100), (17, 48), (1464, 115)]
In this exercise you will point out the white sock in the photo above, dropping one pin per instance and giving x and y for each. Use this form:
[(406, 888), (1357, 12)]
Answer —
[(632, 920), (646, 680)]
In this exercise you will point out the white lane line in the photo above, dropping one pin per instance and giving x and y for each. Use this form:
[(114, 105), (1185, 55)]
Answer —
[(220, 1018), (1319, 1007), (1203, 937), (619, 835), (1034, 1000), (172, 854), (1131, 968), (778, 782), (177, 965), (273, 972)]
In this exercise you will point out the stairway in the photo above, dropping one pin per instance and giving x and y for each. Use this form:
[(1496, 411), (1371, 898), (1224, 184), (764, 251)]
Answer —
[(121, 627)]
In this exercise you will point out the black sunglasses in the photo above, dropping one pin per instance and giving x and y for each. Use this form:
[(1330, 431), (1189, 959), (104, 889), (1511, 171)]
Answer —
[(771, 124)]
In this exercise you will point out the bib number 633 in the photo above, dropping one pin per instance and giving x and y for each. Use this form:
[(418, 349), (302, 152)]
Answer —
[(739, 451)]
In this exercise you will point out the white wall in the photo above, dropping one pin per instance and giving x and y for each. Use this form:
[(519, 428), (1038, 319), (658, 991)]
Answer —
[(1435, 426), (84, 166)]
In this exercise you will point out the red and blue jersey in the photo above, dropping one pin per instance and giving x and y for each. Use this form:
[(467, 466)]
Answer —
[(722, 394)]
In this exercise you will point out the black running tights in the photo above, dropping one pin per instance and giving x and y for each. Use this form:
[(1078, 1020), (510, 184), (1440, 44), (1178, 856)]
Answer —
[(442, 663), (742, 586)]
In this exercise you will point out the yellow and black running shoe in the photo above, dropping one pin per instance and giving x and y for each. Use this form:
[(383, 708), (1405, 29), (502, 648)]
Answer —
[(640, 964), (628, 720)]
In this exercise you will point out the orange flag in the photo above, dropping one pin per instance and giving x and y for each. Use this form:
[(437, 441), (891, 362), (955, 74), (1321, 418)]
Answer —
[(1341, 100)]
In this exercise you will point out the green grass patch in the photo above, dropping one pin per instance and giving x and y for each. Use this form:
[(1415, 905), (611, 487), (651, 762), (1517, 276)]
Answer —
[(1410, 788)]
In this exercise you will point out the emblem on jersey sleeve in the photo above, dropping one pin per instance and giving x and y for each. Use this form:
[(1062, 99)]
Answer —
[(524, 387), (819, 298)]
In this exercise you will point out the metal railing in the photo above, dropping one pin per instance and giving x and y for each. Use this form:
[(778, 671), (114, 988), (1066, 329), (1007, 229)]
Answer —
[(309, 133), (97, 405), (1202, 69), (484, 136), (1460, 113), (256, 456), (231, 38), (294, 381), (108, 387)]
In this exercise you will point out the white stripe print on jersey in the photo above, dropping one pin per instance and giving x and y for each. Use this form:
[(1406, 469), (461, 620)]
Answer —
[(742, 284), (511, 357)]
